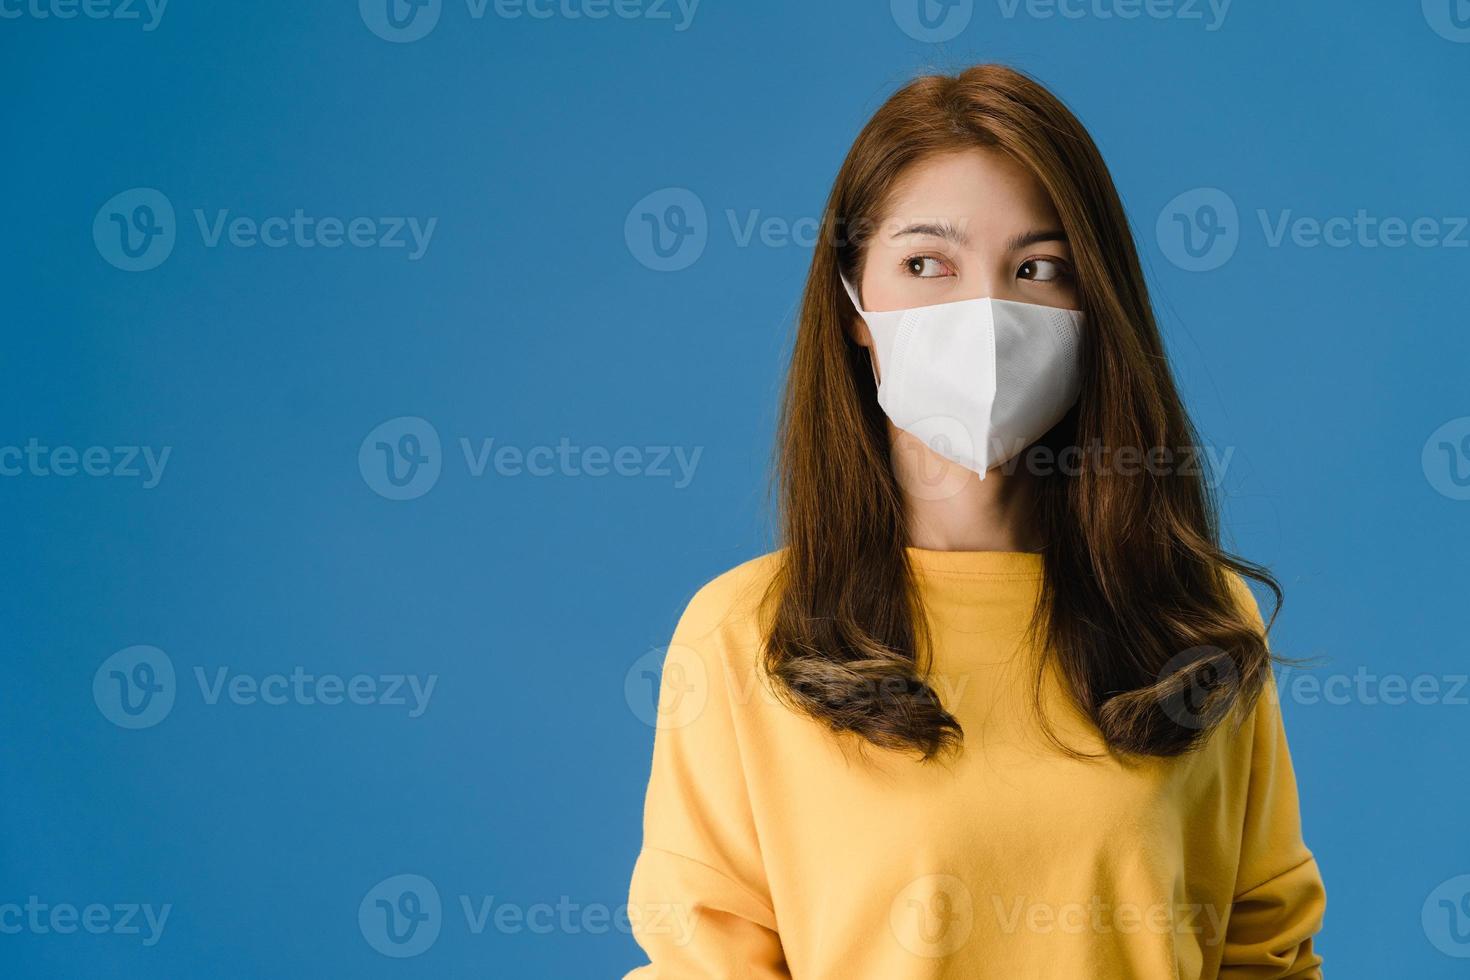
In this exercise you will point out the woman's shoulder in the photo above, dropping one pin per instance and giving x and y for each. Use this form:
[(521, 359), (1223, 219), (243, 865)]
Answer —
[(732, 600), (1245, 598)]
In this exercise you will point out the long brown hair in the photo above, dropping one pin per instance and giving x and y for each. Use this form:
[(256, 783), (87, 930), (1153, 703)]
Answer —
[(1137, 607)]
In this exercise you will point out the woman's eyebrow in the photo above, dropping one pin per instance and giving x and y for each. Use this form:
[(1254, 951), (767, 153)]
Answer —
[(1034, 237), (941, 229)]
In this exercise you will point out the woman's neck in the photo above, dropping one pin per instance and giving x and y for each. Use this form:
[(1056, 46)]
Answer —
[(949, 508)]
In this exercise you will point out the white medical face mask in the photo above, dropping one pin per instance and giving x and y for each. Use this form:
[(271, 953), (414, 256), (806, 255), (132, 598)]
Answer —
[(977, 380)]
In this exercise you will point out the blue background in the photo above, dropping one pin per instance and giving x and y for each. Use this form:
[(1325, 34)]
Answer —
[(534, 316)]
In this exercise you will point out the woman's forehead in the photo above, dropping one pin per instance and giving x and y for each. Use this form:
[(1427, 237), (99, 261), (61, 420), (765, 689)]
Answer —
[(976, 192)]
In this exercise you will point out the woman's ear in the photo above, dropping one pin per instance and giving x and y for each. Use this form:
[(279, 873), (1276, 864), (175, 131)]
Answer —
[(857, 329), (853, 323)]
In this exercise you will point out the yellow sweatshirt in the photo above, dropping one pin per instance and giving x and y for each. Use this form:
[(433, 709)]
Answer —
[(771, 848)]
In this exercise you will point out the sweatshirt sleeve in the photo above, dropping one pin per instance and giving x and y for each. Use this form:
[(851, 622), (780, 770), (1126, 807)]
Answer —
[(698, 899), (1279, 898)]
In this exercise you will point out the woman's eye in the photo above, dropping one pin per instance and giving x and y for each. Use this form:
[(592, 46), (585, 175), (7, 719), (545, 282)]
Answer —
[(1041, 270), (925, 267)]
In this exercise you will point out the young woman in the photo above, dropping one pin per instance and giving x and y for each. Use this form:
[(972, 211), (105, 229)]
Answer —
[(1001, 705)]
